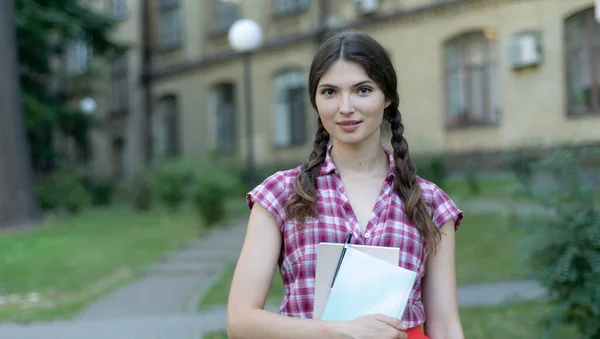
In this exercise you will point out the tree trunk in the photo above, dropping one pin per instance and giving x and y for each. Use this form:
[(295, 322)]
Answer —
[(18, 204)]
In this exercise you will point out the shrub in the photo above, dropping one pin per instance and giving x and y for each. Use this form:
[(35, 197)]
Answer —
[(521, 164), (472, 181), (171, 180), (563, 246), (432, 168), (213, 185), (141, 192), (62, 190), (101, 191)]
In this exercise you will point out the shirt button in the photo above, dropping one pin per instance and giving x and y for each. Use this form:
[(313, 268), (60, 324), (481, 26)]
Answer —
[(368, 235)]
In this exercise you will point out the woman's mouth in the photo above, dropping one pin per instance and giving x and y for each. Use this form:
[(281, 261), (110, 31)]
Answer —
[(349, 125)]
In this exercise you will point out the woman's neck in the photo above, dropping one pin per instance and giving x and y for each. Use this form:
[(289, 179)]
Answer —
[(368, 157)]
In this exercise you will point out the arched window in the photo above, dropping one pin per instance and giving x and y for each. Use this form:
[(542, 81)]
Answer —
[(471, 80), (290, 107), (583, 63), (166, 127), (224, 117)]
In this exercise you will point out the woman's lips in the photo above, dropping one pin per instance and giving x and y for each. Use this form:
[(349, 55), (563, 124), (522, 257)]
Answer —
[(349, 125)]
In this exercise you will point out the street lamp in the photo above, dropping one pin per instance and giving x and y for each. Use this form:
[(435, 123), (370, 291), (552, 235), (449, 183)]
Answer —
[(87, 105), (245, 36)]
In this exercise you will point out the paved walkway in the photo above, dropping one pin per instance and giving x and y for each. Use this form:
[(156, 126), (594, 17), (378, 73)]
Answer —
[(162, 303)]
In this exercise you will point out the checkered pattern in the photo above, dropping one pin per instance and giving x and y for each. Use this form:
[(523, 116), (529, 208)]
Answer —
[(388, 226)]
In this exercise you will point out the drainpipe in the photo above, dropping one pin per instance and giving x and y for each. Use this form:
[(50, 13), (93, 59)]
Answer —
[(146, 80)]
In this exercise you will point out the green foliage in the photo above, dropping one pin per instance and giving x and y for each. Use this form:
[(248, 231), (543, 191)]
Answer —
[(171, 182), (141, 192), (62, 190), (432, 168), (44, 29), (472, 181), (522, 165), (101, 191), (563, 245), (214, 184)]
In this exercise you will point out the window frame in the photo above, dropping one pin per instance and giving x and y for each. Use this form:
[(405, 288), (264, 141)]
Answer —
[(284, 82), (465, 69), (166, 8), (216, 26), (120, 94), (592, 48), (299, 7)]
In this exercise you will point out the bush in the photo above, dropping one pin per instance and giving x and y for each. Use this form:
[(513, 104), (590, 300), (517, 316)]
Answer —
[(62, 190), (563, 248), (473, 181), (171, 181), (521, 164), (101, 191), (213, 185), (432, 168), (141, 192)]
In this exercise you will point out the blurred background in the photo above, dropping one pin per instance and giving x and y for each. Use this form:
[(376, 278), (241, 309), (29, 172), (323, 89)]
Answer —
[(130, 131)]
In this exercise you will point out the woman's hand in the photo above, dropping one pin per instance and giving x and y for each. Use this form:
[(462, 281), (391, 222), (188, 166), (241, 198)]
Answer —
[(370, 327)]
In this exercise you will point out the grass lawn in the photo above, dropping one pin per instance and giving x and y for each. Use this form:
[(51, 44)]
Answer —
[(517, 321), (71, 260), (495, 187), (486, 252)]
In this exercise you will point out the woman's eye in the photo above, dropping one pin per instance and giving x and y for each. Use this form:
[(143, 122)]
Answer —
[(364, 90), (327, 92)]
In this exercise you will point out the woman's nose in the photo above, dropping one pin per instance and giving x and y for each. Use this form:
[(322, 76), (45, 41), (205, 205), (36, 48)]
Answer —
[(346, 105)]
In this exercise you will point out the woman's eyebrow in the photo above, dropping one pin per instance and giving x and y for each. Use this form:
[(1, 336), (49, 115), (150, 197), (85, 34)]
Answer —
[(360, 83)]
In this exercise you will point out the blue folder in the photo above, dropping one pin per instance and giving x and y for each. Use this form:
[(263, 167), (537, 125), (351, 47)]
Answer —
[(366, 285)]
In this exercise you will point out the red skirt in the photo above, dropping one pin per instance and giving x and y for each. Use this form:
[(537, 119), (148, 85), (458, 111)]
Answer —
[(416, 333)]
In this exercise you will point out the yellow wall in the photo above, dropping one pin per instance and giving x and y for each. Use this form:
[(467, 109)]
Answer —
[(532, 101)]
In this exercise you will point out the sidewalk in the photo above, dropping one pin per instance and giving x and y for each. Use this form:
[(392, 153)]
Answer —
[(174, 284)]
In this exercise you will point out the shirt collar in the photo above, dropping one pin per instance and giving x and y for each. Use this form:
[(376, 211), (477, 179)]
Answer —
[(328, 166)]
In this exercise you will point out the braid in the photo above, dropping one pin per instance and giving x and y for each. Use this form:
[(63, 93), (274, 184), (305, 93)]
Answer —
[(407, 185), (302, 202)]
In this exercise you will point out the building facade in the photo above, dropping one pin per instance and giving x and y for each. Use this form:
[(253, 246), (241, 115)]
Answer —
[(475, 76)]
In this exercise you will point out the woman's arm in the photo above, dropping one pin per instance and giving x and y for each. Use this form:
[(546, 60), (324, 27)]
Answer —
[(439, 290), (246, 317)]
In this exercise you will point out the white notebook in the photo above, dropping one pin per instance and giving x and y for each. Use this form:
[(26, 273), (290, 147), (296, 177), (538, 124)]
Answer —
[(367, 285), (328, 255)]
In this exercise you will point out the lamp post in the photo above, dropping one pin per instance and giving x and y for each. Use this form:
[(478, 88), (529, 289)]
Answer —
[(245, 36), (88, 106)]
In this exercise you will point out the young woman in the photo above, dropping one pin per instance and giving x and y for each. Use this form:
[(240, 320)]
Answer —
[(351, 183)]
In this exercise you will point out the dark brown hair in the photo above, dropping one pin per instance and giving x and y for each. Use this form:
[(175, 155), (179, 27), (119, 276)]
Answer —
[(362, 49)]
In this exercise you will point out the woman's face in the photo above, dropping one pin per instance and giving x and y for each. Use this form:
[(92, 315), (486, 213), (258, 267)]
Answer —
[(350, 104)]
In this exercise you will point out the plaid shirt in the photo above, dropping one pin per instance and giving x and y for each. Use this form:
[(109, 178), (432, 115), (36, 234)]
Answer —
[(388, 226)]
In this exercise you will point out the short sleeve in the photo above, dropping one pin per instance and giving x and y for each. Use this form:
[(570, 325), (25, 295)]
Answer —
[(444, 209), (271, 194)]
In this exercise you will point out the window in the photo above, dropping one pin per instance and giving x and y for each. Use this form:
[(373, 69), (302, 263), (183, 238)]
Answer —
[(224, 122), (583, 63), (120, 84), (471, 80), (169, 21), (286, 7), (290, 108), (118, 9), (166, 127), (225, 13), (79, 55)]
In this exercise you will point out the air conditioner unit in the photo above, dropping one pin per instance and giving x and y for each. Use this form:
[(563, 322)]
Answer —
[(524, 50), (367, 6)]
